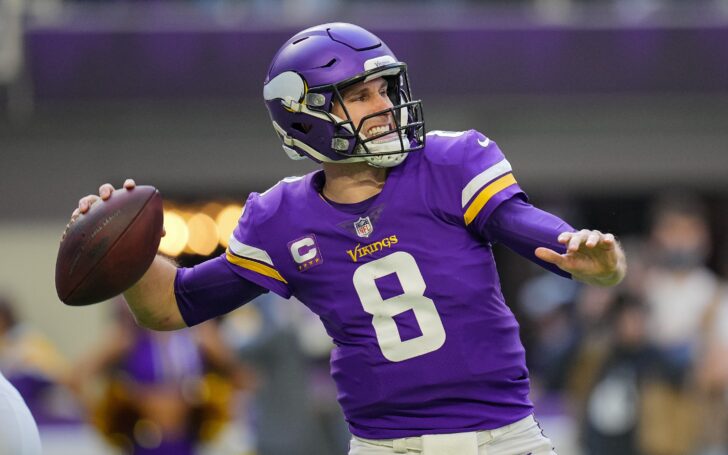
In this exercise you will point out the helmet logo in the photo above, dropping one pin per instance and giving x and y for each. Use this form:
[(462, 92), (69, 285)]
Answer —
[(287, 86)]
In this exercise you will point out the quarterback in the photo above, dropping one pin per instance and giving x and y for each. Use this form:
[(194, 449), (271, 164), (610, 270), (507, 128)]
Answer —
[(389, 243)]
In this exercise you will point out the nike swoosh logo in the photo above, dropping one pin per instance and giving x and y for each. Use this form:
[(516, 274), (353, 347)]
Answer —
[(484, 142)]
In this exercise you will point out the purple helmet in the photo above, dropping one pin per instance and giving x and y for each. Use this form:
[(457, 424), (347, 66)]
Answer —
[(310, 71)]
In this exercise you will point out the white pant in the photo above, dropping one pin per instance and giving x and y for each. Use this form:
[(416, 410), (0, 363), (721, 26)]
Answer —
[(523, 437), (18, 432)]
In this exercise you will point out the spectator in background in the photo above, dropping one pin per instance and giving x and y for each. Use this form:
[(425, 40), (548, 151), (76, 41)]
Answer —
[(285, 343), (680, 291), (608, 378), (712, 369), (711, 373), (18, 431), (678, 286), (547, 303), (162, 392), (33, 365)]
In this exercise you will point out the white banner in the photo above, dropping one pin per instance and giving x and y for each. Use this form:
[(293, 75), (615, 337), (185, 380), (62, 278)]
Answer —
[(11, 34)]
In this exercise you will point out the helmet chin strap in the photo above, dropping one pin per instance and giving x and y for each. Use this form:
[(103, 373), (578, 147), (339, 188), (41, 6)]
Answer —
[(386, 160), (377, 159)]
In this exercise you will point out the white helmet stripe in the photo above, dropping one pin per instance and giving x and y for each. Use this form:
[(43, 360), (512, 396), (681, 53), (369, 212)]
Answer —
[(376, 62)]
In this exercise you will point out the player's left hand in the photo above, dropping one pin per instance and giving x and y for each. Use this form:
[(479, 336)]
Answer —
[(591, 257)]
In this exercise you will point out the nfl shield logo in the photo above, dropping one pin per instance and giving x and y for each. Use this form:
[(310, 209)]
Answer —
[(363, 227)]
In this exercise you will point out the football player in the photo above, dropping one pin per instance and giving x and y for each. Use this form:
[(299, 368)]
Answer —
[(18, 431), (389, 243)]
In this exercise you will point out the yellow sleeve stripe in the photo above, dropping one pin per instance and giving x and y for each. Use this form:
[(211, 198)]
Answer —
[(486, 194), (476, 184), (255, 267)]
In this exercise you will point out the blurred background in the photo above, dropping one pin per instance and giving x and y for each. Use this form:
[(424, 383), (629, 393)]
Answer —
[(613, 113)]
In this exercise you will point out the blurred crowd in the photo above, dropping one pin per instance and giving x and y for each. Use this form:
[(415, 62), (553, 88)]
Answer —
[(226, 387), (640, 369)]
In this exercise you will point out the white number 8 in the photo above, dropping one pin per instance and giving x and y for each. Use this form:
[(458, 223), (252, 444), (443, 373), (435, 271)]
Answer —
[(384, 310)]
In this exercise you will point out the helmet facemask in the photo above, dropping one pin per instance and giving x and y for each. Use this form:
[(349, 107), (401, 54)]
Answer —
[(384, 148)]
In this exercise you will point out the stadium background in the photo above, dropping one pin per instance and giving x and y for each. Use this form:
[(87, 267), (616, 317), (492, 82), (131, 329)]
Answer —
[(601, 106)]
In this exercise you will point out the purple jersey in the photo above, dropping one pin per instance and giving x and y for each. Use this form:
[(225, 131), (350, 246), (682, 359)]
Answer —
[(410, 295)]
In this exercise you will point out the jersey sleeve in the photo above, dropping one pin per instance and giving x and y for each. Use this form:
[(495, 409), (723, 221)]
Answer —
[(472, 174), (211, 289), (487, 178), (248, 252), (523, 228)]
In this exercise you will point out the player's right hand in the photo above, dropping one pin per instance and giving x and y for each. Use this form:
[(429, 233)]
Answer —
[(105, 190), (85, 203)]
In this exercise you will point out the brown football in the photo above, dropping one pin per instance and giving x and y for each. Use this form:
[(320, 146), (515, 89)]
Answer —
[(108, 249)]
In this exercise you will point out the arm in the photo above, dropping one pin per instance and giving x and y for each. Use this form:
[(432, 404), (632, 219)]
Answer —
[(588, 256), (170, 298), (152, 299), (522, 228)]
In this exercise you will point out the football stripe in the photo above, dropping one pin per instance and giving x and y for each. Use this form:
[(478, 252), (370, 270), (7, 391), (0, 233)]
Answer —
[(483, 178), (246, 251), (484, 196), (253, 266)]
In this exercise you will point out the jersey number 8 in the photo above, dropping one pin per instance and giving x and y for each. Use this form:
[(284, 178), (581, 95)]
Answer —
[(403, 265)]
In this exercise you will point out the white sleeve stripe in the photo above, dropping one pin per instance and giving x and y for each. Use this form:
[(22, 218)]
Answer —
[(250, 252), (472, 188)]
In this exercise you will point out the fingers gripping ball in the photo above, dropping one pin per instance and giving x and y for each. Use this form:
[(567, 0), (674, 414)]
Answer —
[(108, 249)]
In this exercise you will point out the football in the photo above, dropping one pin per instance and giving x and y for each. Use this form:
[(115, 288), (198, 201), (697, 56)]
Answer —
[(108, 249)]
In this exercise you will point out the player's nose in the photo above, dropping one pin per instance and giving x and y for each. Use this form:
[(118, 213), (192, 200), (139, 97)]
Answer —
[(383, 102), (382, 106)]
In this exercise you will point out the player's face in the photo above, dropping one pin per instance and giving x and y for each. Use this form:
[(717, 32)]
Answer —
[(366, 98)]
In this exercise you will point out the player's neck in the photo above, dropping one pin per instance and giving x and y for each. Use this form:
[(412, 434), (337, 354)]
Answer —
[(352, 182)]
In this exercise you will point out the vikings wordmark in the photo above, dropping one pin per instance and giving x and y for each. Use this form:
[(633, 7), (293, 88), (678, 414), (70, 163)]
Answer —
[(360, 251)]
